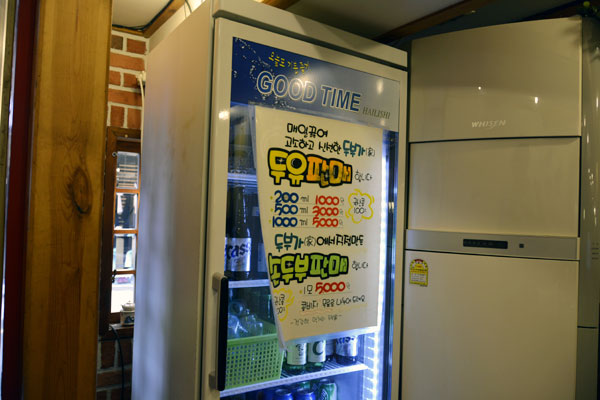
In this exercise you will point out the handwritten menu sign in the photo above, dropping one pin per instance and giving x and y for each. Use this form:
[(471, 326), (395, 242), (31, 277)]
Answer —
[(319, 185)]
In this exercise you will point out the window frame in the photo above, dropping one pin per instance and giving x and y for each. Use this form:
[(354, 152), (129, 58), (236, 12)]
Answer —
[(117, 139)]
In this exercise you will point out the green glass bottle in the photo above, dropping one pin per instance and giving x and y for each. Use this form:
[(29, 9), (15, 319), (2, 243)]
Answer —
[(295, 358), (316, 356)]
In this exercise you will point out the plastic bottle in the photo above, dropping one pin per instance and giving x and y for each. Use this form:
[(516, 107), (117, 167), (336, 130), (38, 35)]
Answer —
[(295, 359), (346, 350), (238, 243), (316, 356)]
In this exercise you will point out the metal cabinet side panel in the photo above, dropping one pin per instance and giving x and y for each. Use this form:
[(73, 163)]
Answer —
[(514, 80), (491, 328), (587, 364), (169, 283), (589, 298), (400, 205), (504, 186)]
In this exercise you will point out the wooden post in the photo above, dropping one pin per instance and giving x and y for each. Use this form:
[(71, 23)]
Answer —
[(65, 201)]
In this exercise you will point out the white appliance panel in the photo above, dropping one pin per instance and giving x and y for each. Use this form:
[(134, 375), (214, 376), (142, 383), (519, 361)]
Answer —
[(589, 276), (172, 217), (504, 186), (514, 80), (490, 328)]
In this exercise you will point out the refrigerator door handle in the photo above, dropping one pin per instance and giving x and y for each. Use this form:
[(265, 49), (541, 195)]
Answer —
[(220, 285)]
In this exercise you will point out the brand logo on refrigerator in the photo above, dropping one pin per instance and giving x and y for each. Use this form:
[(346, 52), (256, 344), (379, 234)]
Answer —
[(495, 123)]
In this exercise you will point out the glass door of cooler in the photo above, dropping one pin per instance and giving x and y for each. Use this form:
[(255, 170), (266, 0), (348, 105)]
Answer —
[(313, 107), (346, 365)]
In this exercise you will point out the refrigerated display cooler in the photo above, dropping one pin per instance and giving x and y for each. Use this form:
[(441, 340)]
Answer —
[(501, 295), (209, 322)]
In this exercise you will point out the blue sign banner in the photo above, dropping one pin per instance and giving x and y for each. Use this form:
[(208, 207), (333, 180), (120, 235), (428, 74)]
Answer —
[(271, 77)]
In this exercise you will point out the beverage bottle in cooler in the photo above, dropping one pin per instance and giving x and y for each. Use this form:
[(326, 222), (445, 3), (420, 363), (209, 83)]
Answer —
[(329, 349), (346, 350), (241, 159), (295, 358), (238, 243), (262, 270), (316, 356), (266, 307), (257, 258)]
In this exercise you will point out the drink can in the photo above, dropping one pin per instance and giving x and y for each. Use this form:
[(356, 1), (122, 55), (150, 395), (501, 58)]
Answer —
[(327, 390), (283, 394), (304, 394), (299, 386)]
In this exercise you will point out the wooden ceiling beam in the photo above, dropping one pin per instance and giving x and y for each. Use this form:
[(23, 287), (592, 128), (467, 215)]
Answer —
[(439, 17), (127, 30), (165, 14), (566, 10)]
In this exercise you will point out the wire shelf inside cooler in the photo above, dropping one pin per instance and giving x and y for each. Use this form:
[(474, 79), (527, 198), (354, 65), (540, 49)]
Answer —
[(331, 368)]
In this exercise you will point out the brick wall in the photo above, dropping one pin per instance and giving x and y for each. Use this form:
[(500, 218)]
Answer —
[(127, 61), (108, 378)]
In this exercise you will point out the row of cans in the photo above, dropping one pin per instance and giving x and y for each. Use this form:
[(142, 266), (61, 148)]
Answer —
[(323, 389)]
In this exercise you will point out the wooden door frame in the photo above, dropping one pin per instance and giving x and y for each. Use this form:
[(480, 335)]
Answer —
[(18, 193), (55, 195)]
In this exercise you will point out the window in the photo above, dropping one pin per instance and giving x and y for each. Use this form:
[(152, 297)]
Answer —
[(120, 223)]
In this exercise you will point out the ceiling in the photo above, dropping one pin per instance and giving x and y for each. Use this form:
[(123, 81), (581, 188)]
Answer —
[(136, 13), (369, 19), (395, 22)]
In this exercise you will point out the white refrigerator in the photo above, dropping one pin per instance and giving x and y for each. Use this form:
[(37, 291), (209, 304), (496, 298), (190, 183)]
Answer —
[(501, 287), (281, 141)]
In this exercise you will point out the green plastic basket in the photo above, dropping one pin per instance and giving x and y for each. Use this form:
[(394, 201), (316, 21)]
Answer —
[(253, 359)]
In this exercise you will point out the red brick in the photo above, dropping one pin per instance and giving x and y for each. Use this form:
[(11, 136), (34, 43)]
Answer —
[(115, 394), (126, 344), (102, 395), (114, 77), (113, 377), (134, 121), (117, 118), (108, 378), (123, 97), (107, 349), (127, 62), (116, 42), (130, 80), (136, 46)]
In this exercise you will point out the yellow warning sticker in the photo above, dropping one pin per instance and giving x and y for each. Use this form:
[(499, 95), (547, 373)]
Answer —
[(419, 272)]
